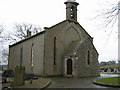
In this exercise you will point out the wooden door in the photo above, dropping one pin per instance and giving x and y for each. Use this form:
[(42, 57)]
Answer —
[(69, 66)]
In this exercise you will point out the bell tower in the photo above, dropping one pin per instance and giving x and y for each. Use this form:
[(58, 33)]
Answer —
[(71, 9)]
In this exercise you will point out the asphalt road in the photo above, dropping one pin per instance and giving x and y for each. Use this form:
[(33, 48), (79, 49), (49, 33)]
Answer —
[(87, 82)]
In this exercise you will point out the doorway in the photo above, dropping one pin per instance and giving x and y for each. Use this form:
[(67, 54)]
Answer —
[(69, 67)]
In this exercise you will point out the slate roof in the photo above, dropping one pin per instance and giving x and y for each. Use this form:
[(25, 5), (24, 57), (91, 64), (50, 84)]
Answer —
[(74, 46)]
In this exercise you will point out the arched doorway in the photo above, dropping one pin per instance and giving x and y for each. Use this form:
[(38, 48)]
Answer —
[(69, 67)]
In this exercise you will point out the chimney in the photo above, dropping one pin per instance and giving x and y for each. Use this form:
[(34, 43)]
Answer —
[(28, 33), (71, 10)]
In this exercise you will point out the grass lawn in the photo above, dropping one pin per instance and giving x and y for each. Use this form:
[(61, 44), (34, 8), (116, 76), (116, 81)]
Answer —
[(109, 73), (112, 80)]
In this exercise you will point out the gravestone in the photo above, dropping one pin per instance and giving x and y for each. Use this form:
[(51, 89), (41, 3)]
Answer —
[(19, 74), (109, 70)]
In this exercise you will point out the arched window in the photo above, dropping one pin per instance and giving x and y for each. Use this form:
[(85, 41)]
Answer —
[(55, 51), (32, 55), (72, 12), (88, 57)]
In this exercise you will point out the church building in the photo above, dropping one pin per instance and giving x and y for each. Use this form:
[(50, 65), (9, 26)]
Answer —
[(64, 49)]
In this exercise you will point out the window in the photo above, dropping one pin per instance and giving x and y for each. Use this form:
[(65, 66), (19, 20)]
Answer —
[(32, 55), (21, 56), (55, 51), (88, 57), (72, 12)]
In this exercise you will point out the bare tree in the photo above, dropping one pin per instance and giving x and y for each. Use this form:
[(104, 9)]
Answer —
[(109, 14), (4, 55), (1, 45), (22, 29), (1, 29), (3, 50), (19, 33), (107, 18)]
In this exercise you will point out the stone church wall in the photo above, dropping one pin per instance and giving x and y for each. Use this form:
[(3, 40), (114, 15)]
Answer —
[(50, 68), (38, 48), (65, 33), (83, 68)]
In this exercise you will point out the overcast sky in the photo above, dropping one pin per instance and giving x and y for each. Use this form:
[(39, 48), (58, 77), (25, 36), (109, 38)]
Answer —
[(46, 13)]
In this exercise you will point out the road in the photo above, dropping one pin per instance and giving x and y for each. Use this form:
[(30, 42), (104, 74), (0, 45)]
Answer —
[(87, 82)]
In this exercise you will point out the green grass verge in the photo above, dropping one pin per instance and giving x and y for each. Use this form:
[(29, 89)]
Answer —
[(109, 73), (112, 80)]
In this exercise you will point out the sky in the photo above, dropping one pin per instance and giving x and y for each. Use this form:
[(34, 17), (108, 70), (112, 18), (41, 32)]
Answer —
[(47, 13)]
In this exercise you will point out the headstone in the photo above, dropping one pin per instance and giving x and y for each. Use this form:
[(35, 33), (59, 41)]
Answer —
[(109, 70), (19, 75)]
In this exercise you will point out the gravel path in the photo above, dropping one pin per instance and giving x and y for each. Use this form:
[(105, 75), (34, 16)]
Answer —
[(38, 83)]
